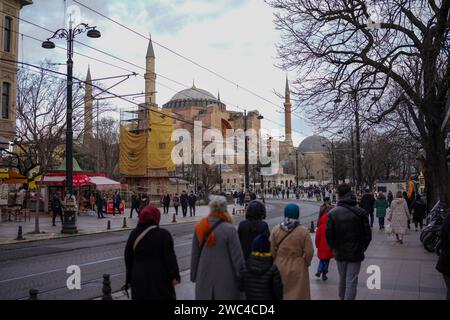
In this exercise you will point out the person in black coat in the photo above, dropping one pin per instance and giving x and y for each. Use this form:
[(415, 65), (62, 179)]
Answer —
[(348, 235), (100, 202), (151, 264), (252, 226), (367, 203), (166, 203), (56, 208), (135, 204), (443, 265), (419, 211), (261, 279), (184, 203), (192, 200)]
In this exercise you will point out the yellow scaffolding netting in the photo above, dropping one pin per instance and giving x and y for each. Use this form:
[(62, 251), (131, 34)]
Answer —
[(147, 149)]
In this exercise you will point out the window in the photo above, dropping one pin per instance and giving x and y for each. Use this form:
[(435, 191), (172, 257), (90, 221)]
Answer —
[(7, 27), (162, 146), (5, 100), (228, 180), (234, 180)]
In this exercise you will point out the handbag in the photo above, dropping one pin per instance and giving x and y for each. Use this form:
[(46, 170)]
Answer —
[(388, 229)]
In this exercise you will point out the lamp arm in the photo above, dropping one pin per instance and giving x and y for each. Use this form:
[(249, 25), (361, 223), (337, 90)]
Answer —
[(59, 34)]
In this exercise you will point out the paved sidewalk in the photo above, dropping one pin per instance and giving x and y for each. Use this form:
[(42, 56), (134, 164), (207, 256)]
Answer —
[(88, 224), (407, 273)]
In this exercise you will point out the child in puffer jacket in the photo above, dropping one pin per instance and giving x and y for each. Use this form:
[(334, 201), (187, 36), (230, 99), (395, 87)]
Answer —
[(261, 279)]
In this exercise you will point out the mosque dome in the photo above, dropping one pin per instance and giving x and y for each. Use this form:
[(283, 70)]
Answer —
[(314, 143), (192, 97)]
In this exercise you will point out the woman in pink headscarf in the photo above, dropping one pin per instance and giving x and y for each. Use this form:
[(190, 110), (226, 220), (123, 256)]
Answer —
[(151, 265)]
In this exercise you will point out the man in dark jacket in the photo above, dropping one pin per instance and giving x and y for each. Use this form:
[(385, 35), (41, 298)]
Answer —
[(100, 202), (116, 202), (261, 279), (367, 203), (192, 200), (348, 234), (252, 226), (443, 265), (184, 203), (56, 208), (134, 205)]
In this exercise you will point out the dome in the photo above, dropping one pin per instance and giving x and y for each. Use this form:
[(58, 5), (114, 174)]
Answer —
[(314, 144), (192, 97)]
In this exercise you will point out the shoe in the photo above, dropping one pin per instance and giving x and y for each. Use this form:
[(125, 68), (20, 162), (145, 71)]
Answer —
[(416, 229), (324, 277), (400, 241), (318, 274), (54, 225)]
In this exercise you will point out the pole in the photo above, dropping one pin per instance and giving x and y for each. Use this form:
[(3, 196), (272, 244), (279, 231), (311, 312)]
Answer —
[(296, 167), (353, 157), (247, 177), (220, 177), (69, 130), (98, 143), (358, 150), (333, 163)]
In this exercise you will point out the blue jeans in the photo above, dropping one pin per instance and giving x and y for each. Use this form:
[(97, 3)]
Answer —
[(323, 266)]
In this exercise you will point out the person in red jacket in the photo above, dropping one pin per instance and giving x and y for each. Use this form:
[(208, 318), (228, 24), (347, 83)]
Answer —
[(323, 250)]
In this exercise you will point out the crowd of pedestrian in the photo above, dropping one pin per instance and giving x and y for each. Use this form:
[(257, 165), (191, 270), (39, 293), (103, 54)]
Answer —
[(255, 263)]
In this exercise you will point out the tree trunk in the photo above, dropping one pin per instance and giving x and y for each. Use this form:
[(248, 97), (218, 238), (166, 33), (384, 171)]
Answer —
[(36, 215), (437, 170)]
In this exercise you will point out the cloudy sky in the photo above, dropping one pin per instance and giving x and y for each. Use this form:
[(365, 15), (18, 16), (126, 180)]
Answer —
[(234, 38)]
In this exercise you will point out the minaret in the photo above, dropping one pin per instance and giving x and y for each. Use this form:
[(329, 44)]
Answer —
[(150, 75), (287, 114), (88, 110)]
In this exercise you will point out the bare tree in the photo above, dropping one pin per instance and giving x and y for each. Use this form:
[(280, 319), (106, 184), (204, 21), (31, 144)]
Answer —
[(399, 61)]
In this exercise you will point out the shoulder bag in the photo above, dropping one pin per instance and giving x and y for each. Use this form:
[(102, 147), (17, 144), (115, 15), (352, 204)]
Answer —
[(208, 233), (142, 235)]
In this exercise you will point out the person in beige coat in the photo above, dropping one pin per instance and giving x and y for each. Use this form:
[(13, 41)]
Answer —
[(292, 251), (399, 216)]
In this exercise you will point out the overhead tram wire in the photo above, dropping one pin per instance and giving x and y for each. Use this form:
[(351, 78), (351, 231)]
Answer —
[(111, 93), (179, 55), (137, 66)]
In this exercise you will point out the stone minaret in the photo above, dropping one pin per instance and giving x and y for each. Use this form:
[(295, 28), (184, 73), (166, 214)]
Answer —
[(88, 109), (150, 75), (287, 114)]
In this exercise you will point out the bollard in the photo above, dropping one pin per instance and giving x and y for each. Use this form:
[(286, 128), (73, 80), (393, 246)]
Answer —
[(108, 227), (174, 220), (234, 211), (19, 234), (124, 223), (33, 294), (311, 229), (106, 288)]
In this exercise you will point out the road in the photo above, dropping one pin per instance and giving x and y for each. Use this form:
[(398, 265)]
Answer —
[(42, 265)]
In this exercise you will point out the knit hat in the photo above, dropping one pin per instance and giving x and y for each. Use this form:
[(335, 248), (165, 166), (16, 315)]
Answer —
[(149, 213), (261, 244), (292, 211)]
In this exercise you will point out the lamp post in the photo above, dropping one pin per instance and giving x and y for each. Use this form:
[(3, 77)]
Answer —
[(69, 224), (296, 166), (246, 170)]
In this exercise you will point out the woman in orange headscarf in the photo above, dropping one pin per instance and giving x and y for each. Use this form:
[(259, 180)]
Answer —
[(217, 260)]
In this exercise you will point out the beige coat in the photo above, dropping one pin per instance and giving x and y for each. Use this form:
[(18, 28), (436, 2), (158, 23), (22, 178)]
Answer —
[(293, 258), (399, 216)]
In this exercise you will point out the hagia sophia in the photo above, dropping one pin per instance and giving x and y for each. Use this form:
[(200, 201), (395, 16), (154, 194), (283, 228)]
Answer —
[(145, 143)]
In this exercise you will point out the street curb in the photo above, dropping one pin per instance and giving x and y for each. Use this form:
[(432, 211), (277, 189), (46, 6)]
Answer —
[(83, 234)]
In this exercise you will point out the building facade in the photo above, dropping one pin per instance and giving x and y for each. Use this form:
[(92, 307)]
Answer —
[(9, 53)]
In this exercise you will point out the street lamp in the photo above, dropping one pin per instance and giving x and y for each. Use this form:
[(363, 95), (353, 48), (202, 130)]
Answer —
[(69, 224), (296, 165), (246, 171)]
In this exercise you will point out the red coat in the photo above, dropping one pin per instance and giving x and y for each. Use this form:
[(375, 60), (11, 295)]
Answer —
[(323, 250)]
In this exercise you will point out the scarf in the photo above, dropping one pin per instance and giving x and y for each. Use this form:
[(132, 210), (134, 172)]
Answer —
[(261, 254), (204, 226), (288, 224)]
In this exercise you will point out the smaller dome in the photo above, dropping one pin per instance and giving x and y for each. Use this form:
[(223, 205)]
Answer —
[(314, 144)]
